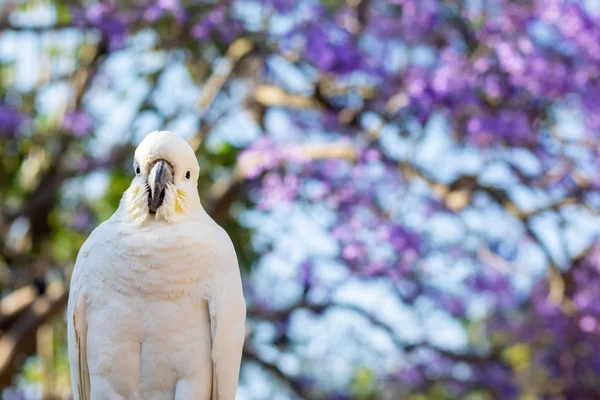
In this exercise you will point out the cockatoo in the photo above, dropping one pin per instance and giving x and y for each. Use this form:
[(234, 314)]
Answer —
[(156, 309)]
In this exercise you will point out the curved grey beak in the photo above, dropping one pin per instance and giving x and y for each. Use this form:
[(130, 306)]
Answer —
[(161, 174)]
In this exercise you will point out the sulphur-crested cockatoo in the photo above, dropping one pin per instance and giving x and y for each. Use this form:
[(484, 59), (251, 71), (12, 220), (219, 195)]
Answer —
[(156, 309)]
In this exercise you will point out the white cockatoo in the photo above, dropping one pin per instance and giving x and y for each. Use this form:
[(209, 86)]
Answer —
[(156, 309)]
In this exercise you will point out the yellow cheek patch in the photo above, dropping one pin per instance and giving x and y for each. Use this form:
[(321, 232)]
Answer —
[(136, 204), (174, 205), (180, 202)]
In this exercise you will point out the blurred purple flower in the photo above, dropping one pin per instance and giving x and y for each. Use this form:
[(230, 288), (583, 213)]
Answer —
[(371, 155), (486, 130), (160, 8), (455, 306), (490, 281), (493, 87), (591, 104), (107, 18), (230, 31), (82, 220), (153, 13), (170, 5), (10, 121), (340, 396), (259, 157), (282, 6), (499, 376), (412, 376), (588, 324), (14, 394), (212, 20), (331, 49), (403, 240), (202, 30), (353, 252), (306, 273), (276, 190), (343, 232), (375, 268), (77, 122)]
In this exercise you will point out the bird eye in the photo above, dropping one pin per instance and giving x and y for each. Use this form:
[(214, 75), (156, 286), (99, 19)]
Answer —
[(137, 170), (187, 175)]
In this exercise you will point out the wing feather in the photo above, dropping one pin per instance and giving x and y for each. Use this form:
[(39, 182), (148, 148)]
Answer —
[(77, 326), (228, 317), (78, 352)]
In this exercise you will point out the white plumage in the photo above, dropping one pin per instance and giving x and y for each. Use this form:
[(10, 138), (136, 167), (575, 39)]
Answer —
[(156, 309)]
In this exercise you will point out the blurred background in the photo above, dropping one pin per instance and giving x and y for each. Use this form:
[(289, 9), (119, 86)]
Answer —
[(412, 186)]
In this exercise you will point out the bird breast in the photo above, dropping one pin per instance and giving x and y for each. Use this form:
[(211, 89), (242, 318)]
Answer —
[(159, 260)]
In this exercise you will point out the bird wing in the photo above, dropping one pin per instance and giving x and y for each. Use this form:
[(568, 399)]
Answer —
[(77, 337), (76, 319), (228, 318)]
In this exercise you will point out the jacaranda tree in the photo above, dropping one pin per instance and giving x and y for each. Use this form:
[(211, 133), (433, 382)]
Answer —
[(412, 185)]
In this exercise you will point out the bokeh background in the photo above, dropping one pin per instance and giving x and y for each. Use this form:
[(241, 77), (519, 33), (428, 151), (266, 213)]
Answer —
[(412, 186)]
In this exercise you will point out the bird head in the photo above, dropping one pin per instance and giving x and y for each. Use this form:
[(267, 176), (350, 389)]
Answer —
[(165, 183)]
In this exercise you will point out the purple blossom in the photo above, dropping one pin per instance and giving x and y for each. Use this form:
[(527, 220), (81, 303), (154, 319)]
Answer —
[(353, 252), (77, 122), (455, 306), (14, 394), (283, 6), (331, 49), (211, 21), (403, 240), (277, 189), (588, 324), (202, 30), (412, 376), (10, 121), (306, 273), (261, 156), (160, 8), (82, 220), (109, 21)]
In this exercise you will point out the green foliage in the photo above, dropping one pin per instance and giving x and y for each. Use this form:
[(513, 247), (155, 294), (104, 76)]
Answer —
[(333, 5), (66, 245), (63, 12), (435, 392), (104, 207), (33, 371), (518, 356), (222, 154), (363, 383), (478, 395), (241, 236)]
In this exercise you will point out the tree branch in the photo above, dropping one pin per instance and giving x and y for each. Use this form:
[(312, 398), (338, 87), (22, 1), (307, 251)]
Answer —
[(284, 314), (222, 71), (15, 303), (13, 340), (292, 383)]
